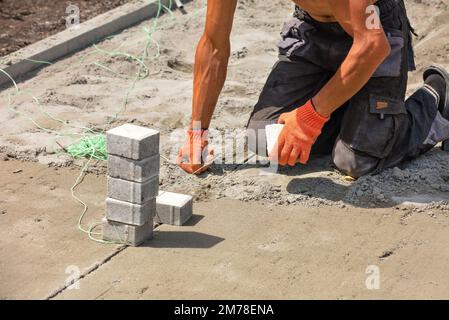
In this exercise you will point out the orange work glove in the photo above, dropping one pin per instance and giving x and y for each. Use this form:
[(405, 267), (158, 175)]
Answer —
[(195, 156), (302, 127)]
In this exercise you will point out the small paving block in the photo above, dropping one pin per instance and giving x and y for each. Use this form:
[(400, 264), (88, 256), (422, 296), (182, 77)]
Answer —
[(173, 208), (134, 192), (133, 170), (130, 213), (124, 233), (132, 142)]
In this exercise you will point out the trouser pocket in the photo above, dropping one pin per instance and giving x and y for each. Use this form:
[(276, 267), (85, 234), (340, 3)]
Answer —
[(372, 128), (295, 36), (391, 66)]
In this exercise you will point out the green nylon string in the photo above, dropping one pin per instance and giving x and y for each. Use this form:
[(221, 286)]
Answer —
[(93, 146)]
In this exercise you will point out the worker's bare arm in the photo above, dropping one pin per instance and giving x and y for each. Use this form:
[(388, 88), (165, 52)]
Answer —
[(369, 50), (211, 63), (211, 59)]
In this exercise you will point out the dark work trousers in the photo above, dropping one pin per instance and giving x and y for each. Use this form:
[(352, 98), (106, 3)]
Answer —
[(375, 129)]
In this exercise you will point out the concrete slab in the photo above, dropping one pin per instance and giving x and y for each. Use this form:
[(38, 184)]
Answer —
[(133, 142), (229, 249), (130, 213), (132, 170), (69, 41), (40, 245), (134, 192), (124, 233), (173, 208), (235, 250)]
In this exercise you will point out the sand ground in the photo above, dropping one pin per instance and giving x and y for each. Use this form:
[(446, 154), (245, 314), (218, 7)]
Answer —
[(306, 232)]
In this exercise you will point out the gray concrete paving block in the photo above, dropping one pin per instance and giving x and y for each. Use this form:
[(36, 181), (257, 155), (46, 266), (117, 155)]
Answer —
[(173, 208), (130, 213), (133, 142), (134, 192), (128, 234), (133, 170)]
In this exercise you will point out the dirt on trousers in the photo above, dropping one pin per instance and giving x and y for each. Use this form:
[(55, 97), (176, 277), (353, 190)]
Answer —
[(23, 22)]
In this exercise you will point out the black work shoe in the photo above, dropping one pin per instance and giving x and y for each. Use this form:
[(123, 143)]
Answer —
[(437, 69)]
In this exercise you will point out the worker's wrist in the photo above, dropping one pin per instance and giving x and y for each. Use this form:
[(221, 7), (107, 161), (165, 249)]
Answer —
[(307, 114), (318, 108), (196, 125), (197, 133)]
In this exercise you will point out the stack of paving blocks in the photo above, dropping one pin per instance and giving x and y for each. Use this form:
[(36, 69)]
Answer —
[(133, 198), (133, 184)]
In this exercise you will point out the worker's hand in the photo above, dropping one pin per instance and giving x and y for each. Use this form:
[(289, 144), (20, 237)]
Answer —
[(302, 127), (195, 156)]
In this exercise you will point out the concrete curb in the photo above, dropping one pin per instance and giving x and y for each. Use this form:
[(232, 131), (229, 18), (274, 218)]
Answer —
[(72, 40)]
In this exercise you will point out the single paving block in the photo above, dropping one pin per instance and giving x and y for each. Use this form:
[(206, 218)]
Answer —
[(127, 234), (132, 142), (173, 208), (133, 170), (134, 192), (130, 213)]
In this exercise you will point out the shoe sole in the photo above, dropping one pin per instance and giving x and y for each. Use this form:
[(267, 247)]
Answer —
[(440, 70)]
